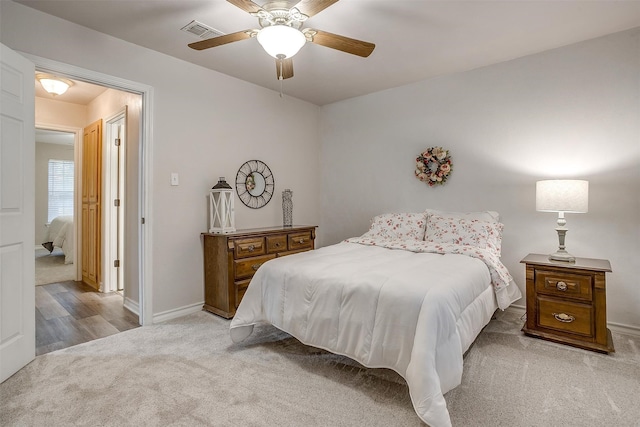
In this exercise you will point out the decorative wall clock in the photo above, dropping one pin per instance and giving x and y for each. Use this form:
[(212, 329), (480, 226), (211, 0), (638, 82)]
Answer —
[(254, 184)]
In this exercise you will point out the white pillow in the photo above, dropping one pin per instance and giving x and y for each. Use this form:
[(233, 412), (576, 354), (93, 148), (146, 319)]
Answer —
[(398, 226)]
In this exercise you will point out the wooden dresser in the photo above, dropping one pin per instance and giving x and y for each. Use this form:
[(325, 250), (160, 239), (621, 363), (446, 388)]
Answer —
[(566, 302), (230, 260)]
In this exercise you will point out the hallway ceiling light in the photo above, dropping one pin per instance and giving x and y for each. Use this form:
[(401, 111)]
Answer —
[(52, 84)]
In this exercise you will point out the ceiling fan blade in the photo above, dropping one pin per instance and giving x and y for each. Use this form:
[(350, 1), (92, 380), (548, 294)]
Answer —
[(246, 5), (312, 7), (220, 40), (284, 68), (345, 44)]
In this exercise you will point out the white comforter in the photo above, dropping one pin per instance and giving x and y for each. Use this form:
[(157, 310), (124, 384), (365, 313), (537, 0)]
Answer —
[(60, 235), (413, 312)]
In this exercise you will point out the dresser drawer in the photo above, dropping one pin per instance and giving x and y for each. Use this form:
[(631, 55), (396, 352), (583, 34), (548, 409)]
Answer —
[(276, 243), (300, 241), (565, 316), (566, 285), (249, 247), (247, 267)]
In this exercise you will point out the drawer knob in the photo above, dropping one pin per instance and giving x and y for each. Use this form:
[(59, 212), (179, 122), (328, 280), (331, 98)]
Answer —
[(561, 286), (256, 266), (563, 317), (301, 241), (251, 248)]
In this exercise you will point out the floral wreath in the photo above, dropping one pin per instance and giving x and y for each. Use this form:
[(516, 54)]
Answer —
[(433, 166)]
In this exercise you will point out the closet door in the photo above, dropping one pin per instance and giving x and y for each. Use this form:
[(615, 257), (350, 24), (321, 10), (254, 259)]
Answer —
[(91, 203)]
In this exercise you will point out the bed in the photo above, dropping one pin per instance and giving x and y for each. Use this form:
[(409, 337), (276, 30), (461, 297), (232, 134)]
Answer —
[(410, 295), (60, 235)]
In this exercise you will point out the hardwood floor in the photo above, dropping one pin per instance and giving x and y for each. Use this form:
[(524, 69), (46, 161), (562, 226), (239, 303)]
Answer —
[(70, 313)]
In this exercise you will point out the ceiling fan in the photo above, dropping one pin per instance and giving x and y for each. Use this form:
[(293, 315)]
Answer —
[(281, 33)]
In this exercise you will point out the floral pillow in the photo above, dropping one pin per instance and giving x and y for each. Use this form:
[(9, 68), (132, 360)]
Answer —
[(460, 231), (398, 226)]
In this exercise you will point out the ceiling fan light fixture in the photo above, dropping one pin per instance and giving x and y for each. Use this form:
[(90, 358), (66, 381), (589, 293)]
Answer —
[(278, 40), (54, 85)]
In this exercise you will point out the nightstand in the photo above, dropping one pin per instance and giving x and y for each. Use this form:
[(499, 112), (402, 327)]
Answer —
[(567, 303)]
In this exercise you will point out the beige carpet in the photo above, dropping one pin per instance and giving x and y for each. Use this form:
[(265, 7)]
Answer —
[(187, 373), (50, 267)]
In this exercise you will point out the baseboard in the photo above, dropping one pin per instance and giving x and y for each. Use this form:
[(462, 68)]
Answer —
[(619, 328), (132, 306), (177, 312)]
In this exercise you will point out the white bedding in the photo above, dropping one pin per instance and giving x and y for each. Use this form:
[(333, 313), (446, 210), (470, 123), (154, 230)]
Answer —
[(411, 311), (60, 235)]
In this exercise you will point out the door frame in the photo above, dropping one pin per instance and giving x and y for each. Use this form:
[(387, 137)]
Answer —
[(113, 184), (77, 170), (145, 166)]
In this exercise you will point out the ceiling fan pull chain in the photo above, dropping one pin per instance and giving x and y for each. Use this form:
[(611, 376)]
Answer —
[(280, 73)]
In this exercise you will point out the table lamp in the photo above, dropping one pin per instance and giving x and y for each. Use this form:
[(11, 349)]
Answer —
[(562, 196)]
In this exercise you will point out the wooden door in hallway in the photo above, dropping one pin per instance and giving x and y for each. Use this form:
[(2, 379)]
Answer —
[(91, 203)]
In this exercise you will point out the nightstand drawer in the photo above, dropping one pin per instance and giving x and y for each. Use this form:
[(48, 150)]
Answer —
[(300, 241), (249, 247), (565, 316), (247, 267), (563, 284)]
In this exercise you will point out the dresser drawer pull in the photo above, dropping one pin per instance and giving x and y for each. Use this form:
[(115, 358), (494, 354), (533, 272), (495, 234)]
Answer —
[(561, 286), (256, 266), (277, 245), (251, 248), (563, 317), (301, 241)]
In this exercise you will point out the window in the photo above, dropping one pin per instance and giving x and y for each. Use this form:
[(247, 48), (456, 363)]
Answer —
[(60, 188)]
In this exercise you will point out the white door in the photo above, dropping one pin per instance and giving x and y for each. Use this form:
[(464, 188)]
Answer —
[(17, 213)]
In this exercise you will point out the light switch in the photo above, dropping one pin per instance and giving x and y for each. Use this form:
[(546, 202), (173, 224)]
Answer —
[(174, 179)]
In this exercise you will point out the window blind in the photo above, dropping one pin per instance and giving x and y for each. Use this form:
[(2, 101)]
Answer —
[(60, 188)]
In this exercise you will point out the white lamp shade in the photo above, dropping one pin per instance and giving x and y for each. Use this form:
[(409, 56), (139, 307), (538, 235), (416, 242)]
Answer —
[(281, 40), (563, 195)]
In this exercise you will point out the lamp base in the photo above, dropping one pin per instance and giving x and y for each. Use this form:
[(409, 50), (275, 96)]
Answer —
[(562, 255)]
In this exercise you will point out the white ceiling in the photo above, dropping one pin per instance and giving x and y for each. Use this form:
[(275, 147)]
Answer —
[(415, 39)]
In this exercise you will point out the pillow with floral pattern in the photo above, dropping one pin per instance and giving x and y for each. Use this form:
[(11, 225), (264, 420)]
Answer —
[(460, 231), (398, 226)]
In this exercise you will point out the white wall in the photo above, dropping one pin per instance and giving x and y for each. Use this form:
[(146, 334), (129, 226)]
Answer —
[(205, 125), (60, 113), (572, 112)]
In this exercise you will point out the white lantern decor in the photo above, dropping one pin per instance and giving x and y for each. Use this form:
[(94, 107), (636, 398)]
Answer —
[(221, 211)]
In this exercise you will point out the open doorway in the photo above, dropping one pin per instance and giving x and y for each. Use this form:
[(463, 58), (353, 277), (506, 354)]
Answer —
[(54, 206), (70, 310)]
